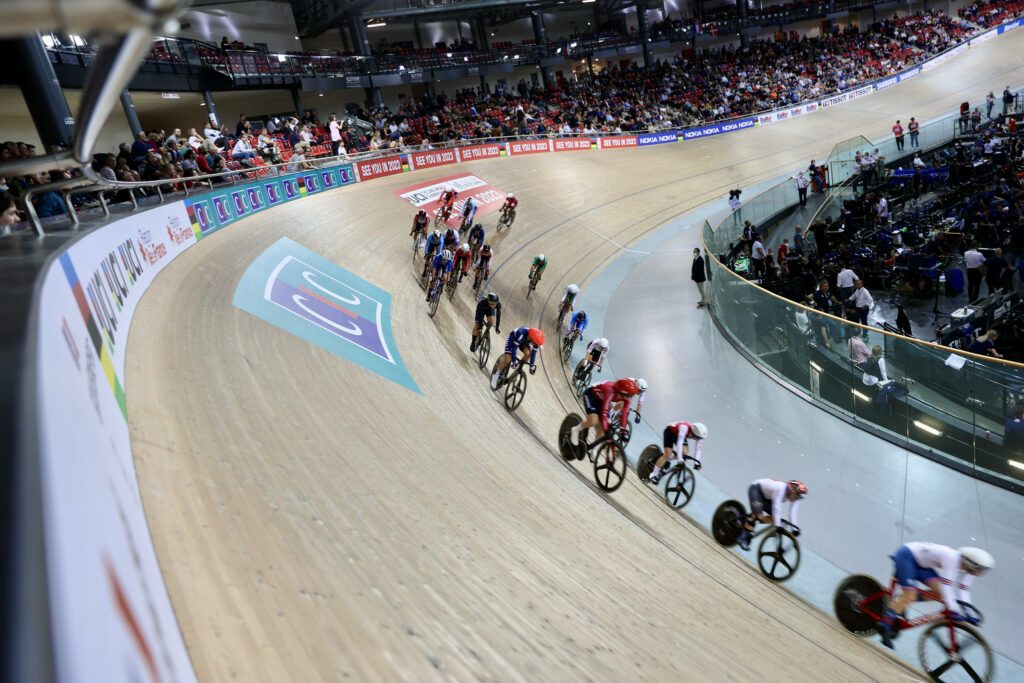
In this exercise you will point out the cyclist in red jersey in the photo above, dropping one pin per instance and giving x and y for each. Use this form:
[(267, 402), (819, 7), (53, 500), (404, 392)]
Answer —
[(463, 256), (674, 441), (419, 223), (598, 401)]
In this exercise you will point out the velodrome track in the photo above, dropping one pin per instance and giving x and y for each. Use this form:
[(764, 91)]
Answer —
[(315, 521)]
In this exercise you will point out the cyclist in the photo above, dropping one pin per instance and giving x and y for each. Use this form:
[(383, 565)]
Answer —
[(940, 568), (674, 439), (766, 499), (451, 239), (598, 401), (488, 310), (596, 354), (468, 212), (578, 323), (443, 264), (642, 384), (448, 197), (540, 262), (568, 298), (523, 339), (483, 263), (419, 223), (510, 205), (431, 246), (462, 259), (475, 238)]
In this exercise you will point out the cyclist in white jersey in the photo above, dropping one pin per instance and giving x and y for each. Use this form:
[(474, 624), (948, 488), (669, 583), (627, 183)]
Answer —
[(939, 567), (767, 496), (596, 354), (641, 384)]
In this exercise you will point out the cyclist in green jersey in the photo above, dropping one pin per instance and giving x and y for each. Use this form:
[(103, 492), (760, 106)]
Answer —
[(540, 262)]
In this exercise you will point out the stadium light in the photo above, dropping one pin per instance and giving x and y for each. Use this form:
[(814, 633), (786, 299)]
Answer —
[(376, 23)]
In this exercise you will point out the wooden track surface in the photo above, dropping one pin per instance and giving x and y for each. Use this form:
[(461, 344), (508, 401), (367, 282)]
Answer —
[(316, 522)]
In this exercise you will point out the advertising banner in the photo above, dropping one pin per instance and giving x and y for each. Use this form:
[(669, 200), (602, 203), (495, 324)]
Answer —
[(987, 35), (112, 618), (886, 82), (517, 147), (910, 73), (765, 119), (378, 168), (847, 96), (212, 211), (1010, 25), (717, 128), (617, 142), (573, 144), (476, 152), (424, 195), (429, 159), (645, 139)]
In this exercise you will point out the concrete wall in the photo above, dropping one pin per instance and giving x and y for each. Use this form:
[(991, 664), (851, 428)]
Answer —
[(16, 122)]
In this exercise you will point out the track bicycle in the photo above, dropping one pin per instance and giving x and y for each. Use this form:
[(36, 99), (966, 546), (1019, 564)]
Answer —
[(778, 554), (607, 453)]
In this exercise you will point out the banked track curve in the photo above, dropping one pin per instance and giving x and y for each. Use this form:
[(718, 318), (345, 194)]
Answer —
[(316, 522)]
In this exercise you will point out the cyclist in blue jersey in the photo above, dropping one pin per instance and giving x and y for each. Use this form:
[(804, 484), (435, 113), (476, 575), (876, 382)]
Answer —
[(527, 340), (475, 238), (577, 325), (431, 247), (442, 264)]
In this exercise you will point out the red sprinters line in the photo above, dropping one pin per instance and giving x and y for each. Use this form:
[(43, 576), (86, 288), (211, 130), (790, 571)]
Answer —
[(329, 303), (133, 624)]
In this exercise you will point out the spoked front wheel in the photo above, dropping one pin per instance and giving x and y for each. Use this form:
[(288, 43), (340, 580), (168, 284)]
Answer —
[(515, 390), (954, 652), (582, 382), (435, 299), (567, 345), (610, 466), (679, 486), (778, 555), (483, 349)]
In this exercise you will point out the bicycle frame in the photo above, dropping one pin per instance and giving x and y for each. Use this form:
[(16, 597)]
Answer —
[(904, 623)]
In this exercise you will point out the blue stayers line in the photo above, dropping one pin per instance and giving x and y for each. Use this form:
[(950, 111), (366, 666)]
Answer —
[(303, 293)]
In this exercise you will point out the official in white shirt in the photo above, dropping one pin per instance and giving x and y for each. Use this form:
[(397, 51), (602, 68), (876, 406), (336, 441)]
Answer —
[(861, 301)]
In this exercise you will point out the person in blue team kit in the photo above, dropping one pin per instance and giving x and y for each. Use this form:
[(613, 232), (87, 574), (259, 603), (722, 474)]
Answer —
[(431, 247), (522, 339), (443, 264), (475, 238), (577, 324)]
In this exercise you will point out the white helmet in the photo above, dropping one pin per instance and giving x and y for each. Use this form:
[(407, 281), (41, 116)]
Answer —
[(464, 247), (447, 255), (641, 383), (437, 234), (976, 560), (699, 430), (573, 289), (541, 257), (511, 195), (603, 343)]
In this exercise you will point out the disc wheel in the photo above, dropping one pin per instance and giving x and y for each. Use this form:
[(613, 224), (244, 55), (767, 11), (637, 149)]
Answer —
[(954, 652), (646, 462), (610, 466), (859, 619), (778, 555), (679, 486), (515, 390), (565, 448), (727, 522)]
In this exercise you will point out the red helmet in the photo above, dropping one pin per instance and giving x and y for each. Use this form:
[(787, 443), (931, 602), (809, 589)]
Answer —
[(537, 336), (796, 488), (627, 386)]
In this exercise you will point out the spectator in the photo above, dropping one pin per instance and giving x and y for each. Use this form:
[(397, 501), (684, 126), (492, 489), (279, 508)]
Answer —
[(897, 132), (1007, 100), (211, 132), (990, 104), (913, 127), (874, 368), (335, 130), (243, 151), (195, 140), (823, 299), (243, 126), (859, 352), (801, 183), (139, 151), (861, 302), (985, 345), (697, 274), (758, 254), (8, 213), (996, 269), (735, 206), (973, 260), (1013, 431), (799, 243), (845, 281), (175, 137)]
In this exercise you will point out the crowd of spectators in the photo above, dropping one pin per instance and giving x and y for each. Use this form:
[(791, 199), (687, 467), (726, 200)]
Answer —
[(690, 89)]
